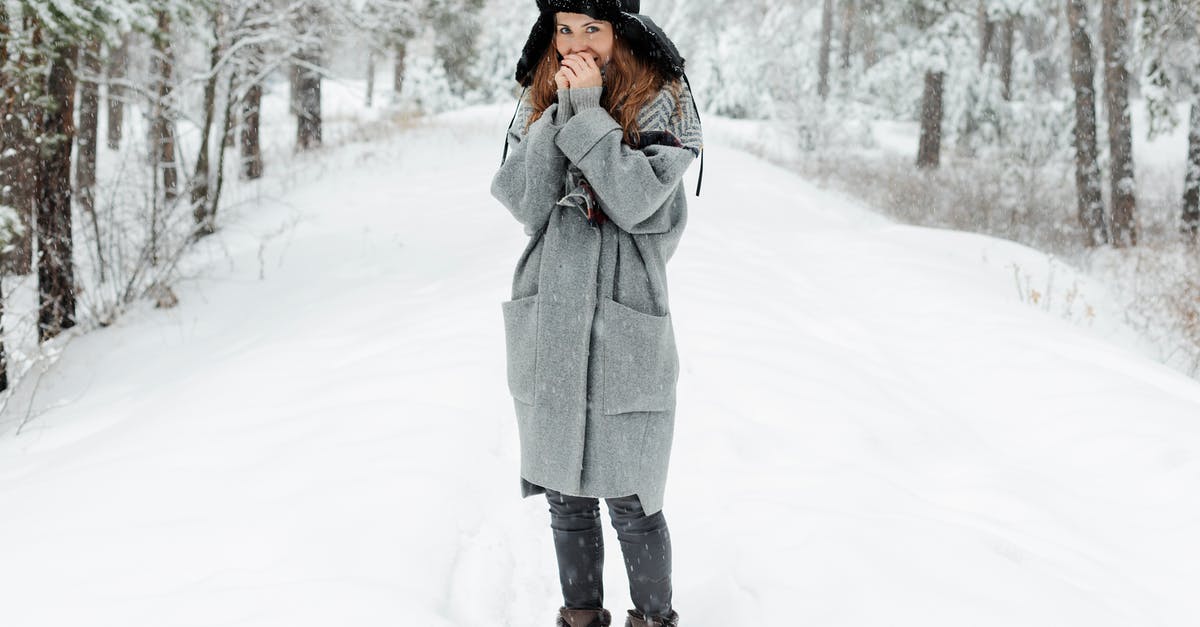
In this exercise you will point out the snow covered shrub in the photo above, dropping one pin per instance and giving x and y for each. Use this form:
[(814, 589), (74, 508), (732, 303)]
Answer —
[(1163, 299), (894, 86), (835, 125), (970, 195), (1051, 297), (429, 87)]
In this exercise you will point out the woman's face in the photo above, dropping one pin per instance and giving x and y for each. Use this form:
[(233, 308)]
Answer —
[(584, 34)]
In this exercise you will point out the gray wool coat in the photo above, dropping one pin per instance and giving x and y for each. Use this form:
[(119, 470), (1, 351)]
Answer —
[(592, 362)]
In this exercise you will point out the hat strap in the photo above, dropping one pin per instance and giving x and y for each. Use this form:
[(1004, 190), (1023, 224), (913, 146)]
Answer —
[(697, 109), (504, 156)]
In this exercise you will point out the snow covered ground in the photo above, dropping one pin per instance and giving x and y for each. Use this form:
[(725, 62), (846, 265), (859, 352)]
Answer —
[(877, 424)]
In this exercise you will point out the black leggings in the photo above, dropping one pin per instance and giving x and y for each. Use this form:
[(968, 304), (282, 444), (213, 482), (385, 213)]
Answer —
[(579, 543)]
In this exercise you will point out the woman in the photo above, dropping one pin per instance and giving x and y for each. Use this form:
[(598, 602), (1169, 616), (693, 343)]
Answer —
[(595, 178)]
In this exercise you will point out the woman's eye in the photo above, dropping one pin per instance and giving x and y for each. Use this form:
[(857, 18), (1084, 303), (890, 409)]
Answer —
[(593, 29), (564, 31)]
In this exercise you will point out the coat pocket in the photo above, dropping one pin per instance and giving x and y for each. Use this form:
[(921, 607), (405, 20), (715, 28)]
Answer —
[(520, 341), (641, 364)]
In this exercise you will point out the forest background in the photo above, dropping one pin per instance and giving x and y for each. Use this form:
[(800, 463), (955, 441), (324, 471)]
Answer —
[(129, 128)]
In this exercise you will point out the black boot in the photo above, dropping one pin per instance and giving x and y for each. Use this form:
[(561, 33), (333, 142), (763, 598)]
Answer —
[(635, 619), (583, 618)]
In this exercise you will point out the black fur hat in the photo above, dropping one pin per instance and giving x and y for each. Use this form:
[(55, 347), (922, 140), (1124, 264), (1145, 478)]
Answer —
[(640, 32)]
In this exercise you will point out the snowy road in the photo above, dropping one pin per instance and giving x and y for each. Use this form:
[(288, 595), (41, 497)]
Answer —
[(873, 428)]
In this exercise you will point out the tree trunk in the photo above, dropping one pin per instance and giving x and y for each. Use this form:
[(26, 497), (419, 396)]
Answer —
[(826, 45), (929, 155), (1007, 36), (1191, 187), (870, 44), (987, 31), (849, 23), (163, 129), (294, 94), (118, 61), (252, 163), (370, 78), (89, 114), (56, 280), (4, 141), (87, 141), (398, 76), (230, 128), (203, 174), (1120, 130), (308, 126), (215, 201), (3, 352), (1087, 172), (17, 159)]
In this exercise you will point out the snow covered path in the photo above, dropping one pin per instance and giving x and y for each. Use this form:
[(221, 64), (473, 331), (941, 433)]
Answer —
[(873, 428)]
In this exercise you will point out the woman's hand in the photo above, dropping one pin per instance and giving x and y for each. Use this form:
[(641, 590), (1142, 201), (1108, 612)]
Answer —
[(560, 78), (578, 71)]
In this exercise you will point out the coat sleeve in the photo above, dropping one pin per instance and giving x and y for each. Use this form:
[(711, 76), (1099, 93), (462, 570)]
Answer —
[(530, 181), (634, 187)]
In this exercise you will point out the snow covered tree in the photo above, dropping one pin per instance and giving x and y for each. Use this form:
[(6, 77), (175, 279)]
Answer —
[(10, 233), (389, 26), (1171, 50), (116, 68), (930, 147), (849, 27), (456, 34), (17, 158), (826, 48), (201, 183), (938, 30), (162, 123), (52, 198), (1115, 35), (310, 24), (90, 69), (251, 40), (1087, 168)]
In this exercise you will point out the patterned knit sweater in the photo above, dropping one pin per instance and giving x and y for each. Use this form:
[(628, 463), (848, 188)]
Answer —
[(659, 122)]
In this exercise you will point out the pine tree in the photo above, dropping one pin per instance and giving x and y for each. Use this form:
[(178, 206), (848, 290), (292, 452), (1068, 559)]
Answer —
[(89, 118), (255, 28), (389, 26), (1191, 185), (849, 26), (826, 45), (201, 179), (1171, 47), (52, 197), (930, 148), (10, 233), (162, 128), (937, 32), (88, 138), (456, 38), (17, 156), (118, 59), (1087, 170), (1115, 34), (309, 23)]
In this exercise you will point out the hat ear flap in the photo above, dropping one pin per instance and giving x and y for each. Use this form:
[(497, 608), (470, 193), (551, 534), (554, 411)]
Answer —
[(539, 40)]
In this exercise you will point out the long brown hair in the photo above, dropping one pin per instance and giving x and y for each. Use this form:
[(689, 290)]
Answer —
[(630, 82)]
